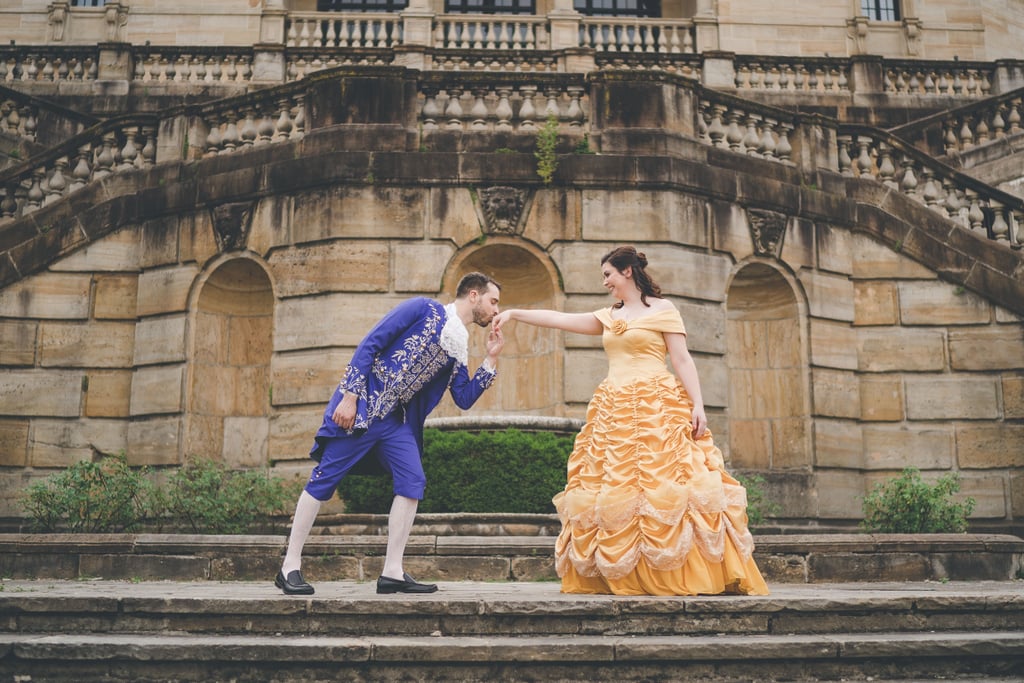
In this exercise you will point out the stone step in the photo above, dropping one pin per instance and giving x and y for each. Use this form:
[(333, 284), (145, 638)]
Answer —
[(178, 657), (481, 609)]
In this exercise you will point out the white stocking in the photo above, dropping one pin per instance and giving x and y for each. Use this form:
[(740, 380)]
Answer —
[(403, 513), (305, 514)]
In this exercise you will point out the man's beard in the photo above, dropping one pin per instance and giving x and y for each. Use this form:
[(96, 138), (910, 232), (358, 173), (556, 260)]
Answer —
[(480, 317)]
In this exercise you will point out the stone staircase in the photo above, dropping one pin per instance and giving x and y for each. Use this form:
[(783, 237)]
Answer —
[(506, 631)]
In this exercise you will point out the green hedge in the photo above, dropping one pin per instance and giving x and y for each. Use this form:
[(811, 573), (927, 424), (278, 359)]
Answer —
[(508, 471)]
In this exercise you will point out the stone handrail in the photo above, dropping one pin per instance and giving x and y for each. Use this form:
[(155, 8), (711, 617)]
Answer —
[(746, 127), (951, 133), (489, 32), (343, 30), (185, 65), (633, 35), (502, 101), (916, 77), (33, 119), (866, 152), (48, 63), (795, 74)]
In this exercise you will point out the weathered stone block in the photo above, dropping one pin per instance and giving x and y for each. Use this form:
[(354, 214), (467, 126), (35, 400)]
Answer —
[(653, 216), (271, 223), (987, 348), (554, 216), (990, 446), (833, 345), (339, 266), (1017, 494), (855, 566), (154, 441), (158, 241), (61, 443), (839, 494), (750, 443), (893, 447), (835, 249), (766, 392), (118, 252), (142, 567), (346, 211), (245, 441), (875, 303), (250, 340), (838, 443), (157, 389), (790, 443), (1013, 397), (730, 230), (989, 492), (108, 393), (881, 398), (828, 296), (888, 350), (952, 397), (332, 320), (875, 261), (165, 290), (197, 237), (17, 342), (705, 326), (291, 433), (419, 268), (940, 303), (56, 393), (798, 244), (453, 215), (14, 443), (714, 380), (55, 296), (307, 377), (99, 345), (836, 393), (116, 297), (588, 369)]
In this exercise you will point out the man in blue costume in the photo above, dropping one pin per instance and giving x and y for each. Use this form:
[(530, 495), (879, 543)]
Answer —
[(397, 375)]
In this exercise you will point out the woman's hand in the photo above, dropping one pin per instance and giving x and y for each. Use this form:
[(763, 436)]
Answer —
[(499, 320), (345, 412), (699, 421)]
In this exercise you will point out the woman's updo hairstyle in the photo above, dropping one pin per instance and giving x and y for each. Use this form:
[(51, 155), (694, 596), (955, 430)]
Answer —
[(628, 257)]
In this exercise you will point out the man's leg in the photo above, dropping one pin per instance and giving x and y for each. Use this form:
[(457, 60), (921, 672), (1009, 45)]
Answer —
[(305, 514), (403, 513)]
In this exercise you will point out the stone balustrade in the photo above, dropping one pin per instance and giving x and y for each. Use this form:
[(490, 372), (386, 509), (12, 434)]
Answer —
[(870, 153), (48, 63), (182, 65), (631, 35), (746, 127), (822, 75), (489, 32), (496, 102), (343, 30), (18, 119), (939, 78)]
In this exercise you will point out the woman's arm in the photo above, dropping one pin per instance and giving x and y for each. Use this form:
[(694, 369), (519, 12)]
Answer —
[(686, 370), (581, 323)]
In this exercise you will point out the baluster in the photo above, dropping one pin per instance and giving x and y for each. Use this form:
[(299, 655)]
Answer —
[(231, 73), (30, 124), (981, 130), (766, 147), (215, 70), (318, 34), (1013, 118), (575, 111), (479, 109), (952, 201), (14, 121), (751, 140), (975, 216), (430, 110), (283, 128), (930, 191), (966, 136), (552, 106), (248, 133), (213, 138), (503, 112), (1017, 228), (454, 109), (908, 184), (300, 121), (1000, 228), (998, 122), (265, 128), (229, 141), (105, 157), (688, 40), (784, 150), (527, 112), (331, 39), (829, 80), (81, 172), (304, 34), (886, 168), (717, 131), (293, 35), (864, 157), (200, 69), (148, 157), (129, 151), (34, 198), (344, 33), (56, 184), (733, 135), (9, 205), (950, 140), (755, 76), (703, 121)]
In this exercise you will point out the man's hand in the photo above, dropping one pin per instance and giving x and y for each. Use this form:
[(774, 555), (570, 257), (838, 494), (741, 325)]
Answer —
[(345, 413), (495, 342)]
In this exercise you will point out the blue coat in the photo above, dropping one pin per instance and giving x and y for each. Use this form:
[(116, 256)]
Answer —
[(401, 364)]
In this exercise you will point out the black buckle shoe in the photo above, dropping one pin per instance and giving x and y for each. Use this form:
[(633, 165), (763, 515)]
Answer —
[(294, 584), (409, 585)]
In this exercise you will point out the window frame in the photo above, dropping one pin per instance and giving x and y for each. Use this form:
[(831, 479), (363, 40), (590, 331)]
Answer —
[(876, 10)]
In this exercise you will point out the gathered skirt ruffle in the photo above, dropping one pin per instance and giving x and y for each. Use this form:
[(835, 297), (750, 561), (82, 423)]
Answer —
[(647, 509)]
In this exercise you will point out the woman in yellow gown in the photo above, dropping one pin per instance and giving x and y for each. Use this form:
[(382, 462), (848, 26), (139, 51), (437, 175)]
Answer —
[(648, 508)]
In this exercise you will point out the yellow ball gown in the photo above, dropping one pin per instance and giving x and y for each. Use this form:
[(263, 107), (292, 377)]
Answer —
[(648, 510)]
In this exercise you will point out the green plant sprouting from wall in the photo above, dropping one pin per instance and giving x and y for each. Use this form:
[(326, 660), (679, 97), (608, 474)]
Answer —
[(547, 142), (907, 504)]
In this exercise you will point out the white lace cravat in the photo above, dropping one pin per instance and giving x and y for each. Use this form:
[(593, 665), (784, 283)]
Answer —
[(455, 336)]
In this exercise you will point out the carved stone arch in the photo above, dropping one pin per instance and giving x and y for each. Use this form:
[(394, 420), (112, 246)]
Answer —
[(767, 357), (231, 318), (530, 372)]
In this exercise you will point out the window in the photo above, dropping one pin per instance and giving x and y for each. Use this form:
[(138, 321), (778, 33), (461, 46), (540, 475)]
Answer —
[(489, 6), (621, 8), (361, 5), (88, 3), (881, 10)]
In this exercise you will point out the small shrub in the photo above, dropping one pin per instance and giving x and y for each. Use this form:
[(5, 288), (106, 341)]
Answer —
[(211, 499), (758, 507), (105, 496), (583, 146), (907, 504), (547, 142), (508, 471)]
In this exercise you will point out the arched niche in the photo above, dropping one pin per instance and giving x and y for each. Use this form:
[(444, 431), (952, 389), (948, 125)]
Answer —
[(229, 366), (530, 367), (768, 424)]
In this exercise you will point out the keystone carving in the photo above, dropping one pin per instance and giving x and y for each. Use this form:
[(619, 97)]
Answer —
[(503, 210), (767, 228), (231, 223)]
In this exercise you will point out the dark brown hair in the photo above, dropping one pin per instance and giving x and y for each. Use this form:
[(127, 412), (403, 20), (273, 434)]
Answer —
[(628, 257), (474, 282)]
